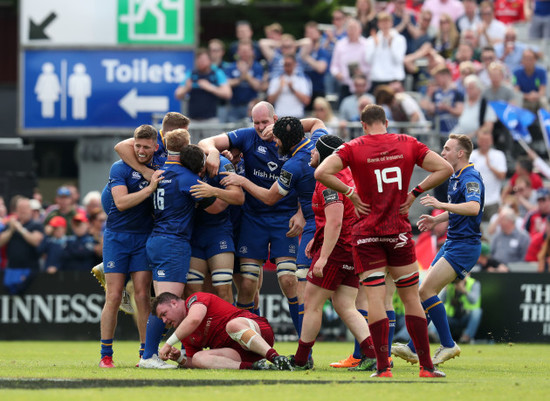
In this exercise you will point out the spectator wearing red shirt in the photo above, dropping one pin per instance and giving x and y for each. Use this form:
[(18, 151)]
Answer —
[(509, 11)]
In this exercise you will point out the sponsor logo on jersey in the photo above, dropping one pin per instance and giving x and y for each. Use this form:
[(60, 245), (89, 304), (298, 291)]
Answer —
[(136, 175), (292, 249), (143, 184), (166, 181), (473, 188), (330, 195), (285, 178), (243, 249), (264, 174), (191, 301), (223, 244), (402, 241), (262, 149), (111, 264), (161, 273), (347, 267), (272, 166), (229, 167)]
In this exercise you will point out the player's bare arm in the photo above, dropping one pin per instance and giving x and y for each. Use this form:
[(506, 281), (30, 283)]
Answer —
[(124, 200), (334, 213), (231, 194), (470, 208), (212, 147), (125, 150)]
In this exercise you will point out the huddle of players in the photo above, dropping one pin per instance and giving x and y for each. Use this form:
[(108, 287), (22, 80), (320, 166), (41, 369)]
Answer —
[(278, 180)]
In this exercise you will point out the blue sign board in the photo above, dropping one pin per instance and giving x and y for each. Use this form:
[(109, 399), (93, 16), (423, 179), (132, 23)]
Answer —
[(98, 90)]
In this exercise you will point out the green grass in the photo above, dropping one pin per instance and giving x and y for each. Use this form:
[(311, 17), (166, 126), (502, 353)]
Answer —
[(482, 372)]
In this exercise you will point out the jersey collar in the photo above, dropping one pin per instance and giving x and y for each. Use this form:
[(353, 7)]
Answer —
[(464, 168), (301, 145)]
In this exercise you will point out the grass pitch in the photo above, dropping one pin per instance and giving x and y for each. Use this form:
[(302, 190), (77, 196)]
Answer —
[(68, 371)]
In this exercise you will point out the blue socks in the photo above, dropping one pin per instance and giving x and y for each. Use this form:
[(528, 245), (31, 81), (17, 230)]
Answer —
[(141, 349), (294, 309), (391, 317), (435, 308), (357, 348), (106, 347), (153, 335)]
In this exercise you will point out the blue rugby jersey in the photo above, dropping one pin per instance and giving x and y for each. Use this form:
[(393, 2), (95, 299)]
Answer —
[(464, 186)]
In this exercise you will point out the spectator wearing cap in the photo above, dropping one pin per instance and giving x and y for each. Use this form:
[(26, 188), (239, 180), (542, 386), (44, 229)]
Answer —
[(53, 245), (535, 221), (80, 251), (21, 236), (64, 207), (37, 211), (509, 245)]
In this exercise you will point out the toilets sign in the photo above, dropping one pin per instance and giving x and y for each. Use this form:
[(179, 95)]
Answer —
[(98, 90)]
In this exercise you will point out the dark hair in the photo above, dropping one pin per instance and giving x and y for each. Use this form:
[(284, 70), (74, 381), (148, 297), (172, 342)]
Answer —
[(289, 131), (372, 113), (174, 120), (525, 163), (384, 94), (145, 132), (326, 145), (163, 298), (193, 158)]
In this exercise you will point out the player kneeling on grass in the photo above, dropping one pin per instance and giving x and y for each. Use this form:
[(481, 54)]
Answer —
[(237, 338)]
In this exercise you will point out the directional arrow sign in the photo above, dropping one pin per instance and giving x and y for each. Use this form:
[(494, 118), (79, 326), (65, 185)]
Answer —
[(36, 31), (132, 104)]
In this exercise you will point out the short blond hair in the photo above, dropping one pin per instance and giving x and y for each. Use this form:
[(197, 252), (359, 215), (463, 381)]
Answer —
[(177, 139)]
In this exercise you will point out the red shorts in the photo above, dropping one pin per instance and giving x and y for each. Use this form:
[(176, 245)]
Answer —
[(371, 253), (266, 332), (335, 274)]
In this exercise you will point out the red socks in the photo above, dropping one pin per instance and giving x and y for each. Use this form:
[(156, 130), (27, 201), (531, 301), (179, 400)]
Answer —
[(379, 331), (270, 354), (418, 330), (367, 347), (302, 354)]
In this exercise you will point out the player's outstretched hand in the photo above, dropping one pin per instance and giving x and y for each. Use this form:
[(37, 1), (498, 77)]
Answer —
[(405, 206), (429, 200), (426, 222), (360, 207), (267, 133), (202, 190), (213, 163), (232, 179)]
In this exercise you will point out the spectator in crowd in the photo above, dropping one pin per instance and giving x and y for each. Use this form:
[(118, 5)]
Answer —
[(490, 31), (476, 115), (349, 59), (91, 202), (447, 37), (206, 84), (348, 110), (454, 8), (338, 32), (244, 33), (470, 18), (524, 167), (488, 56), (80, 250), (462, 299), (535, 221), (291, 92), (539, 11), (491, 164), (510, 51), (37, 211), (464, 53), (488, 264), (402, 19), (421, 33), (509, 245), (541, 248), (246, 78), (510, 11), (420, 64), (465, 68), (398, 106), (385, 53), (525, 195), (273, 31), (64, 207), (347, 132), (97, 220), (530, 81), (216, 51), (444, 101), (315, 59), (21, 236), (323, 111), (53, 246), (275, 52), (509, 202), (499, 88), (365, 12)]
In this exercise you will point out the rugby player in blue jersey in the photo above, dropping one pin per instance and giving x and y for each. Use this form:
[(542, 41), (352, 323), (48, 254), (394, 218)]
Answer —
[(461, 250), (264, 229), (129, 223), (168, 247)]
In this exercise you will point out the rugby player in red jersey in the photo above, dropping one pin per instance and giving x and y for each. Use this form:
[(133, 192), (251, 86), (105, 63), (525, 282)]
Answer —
[(382, 165)]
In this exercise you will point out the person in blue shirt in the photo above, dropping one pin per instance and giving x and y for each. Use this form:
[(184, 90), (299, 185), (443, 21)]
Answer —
[(206, 84), (168, 247), (80, 249), (129, 222), (530, 81), (461, 250), (212, 245), (296, 175), (266, 231)]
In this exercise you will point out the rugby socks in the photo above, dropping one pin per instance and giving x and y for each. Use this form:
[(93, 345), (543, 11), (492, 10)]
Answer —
[(106, 347), (141, 349), (271, 354), (153, 335), (357, 350), (256, 311), (418, 330), (301, 314), (436, 310), (294, 309), (248, 307), (379, 332), (245, 366), (367, 348), (302, 353), (391, 317)]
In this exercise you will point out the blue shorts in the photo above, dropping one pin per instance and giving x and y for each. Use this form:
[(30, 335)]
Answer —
[(208, 241), (461, 255), (169, 258), (263, 234), (307, 235), (124, 252)]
